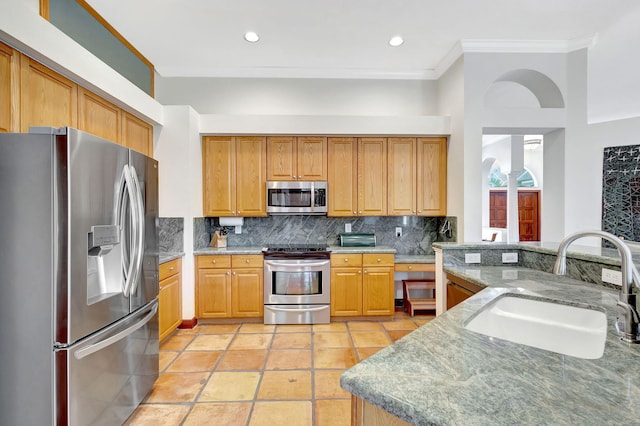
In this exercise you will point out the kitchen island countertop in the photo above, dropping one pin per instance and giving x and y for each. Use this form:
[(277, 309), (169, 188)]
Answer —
[(443, 374)]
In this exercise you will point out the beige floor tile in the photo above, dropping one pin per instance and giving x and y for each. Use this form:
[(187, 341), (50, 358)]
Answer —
[(293, 413), (364, 353), (288, 359), (177, 387), (251, 341), (327, 385), (176, 342), (231, 386), (244, 359), (188, 331), (364, 325), (291, 340), (219, 328), (403, 324), (370, 339), (333, 412), (331, 340), (219, 413), (158, 415), (190, 362), (210, 342), (166, 357), (334, 358), (423, 320), (289, 384), (398, 334), (257, 328), (334, 326), (293, 328)]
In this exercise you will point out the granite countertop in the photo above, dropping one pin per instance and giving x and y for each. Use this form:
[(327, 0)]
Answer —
[(165, 257), (416, 258), (228, 250), (375, 249), (442, 374)]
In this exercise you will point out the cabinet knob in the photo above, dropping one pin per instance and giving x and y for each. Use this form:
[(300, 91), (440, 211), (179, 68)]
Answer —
[(365, 271), (355, 212), (228, 273), (346, 260), (171, 268), (379, 260), (419, 211), (410, 267), (360, 211), (413, 211), (213, 261), (247, 260), (359, 272), (234, 273)]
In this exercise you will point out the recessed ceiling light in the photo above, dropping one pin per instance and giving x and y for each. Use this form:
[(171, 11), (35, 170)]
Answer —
[(251, 37), (396, 41)]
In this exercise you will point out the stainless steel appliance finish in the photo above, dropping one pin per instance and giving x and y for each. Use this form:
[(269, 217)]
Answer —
[(79, 261), (284, 197), (297, 285)]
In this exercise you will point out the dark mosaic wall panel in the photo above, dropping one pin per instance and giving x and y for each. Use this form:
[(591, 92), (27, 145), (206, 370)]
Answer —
[(621, 191)]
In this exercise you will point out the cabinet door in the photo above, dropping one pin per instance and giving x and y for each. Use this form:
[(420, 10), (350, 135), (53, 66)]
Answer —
[(377, 291), (342, 177), (312, 158), (46, 98), (281, 158), (247, 290), (136, 134), (346, 292), (9, 88), (213, 296), (170, 304), (432, 176), (372, 177), (456, 294), (251, 157), (401, 161), (98, 117), (218, 174)]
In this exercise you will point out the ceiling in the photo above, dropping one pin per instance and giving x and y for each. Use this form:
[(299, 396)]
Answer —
[(346, 39)]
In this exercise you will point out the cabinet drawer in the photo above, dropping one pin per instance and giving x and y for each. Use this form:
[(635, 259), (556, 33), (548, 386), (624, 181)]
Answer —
[(247, 261), (378, 259), (415, 267), (213, 261), (170, 268), (346, 259)]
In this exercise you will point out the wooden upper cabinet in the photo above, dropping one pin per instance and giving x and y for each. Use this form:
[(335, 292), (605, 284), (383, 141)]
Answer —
[(233, 170), (372, 177), (46, 98), (137, 134), (297, 158), (401, 160), (9, 89), (342, 176), (98, 116), (218, 173), (251, 192), (432, 176)]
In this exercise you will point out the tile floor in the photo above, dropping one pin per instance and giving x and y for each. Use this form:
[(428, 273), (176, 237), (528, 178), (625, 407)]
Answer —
[(254, 374)]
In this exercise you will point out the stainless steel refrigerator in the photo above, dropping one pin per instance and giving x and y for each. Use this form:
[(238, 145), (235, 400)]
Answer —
[(78, 278)]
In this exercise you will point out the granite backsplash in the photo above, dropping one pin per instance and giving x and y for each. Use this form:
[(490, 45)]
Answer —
[(171, 234), (417, 232)]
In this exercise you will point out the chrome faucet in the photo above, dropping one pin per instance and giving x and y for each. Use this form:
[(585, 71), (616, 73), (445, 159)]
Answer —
[(628, 318)]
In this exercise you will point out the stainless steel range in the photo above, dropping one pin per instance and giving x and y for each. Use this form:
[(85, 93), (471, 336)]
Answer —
[(297, 284)]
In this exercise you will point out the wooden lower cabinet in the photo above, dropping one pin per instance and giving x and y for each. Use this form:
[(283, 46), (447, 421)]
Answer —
[(362, 284), (229, 286), (459, 290), (365, 414), (170, 297)]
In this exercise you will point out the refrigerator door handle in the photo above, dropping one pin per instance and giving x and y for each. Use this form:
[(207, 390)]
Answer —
[(139, 244), (85, 352), (130, 271)]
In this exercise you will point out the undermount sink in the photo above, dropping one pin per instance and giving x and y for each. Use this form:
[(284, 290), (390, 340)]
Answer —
[(542, 323)]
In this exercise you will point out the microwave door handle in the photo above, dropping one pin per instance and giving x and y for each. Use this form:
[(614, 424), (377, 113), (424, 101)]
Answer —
[(85, 352)]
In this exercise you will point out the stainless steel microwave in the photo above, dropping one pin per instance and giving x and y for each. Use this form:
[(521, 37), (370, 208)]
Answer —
[(285, 197)]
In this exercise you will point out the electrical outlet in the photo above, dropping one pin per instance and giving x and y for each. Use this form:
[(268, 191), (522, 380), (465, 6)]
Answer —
[(472, 258), (347, 227), (398, 231), (611, 276), (509, 257)]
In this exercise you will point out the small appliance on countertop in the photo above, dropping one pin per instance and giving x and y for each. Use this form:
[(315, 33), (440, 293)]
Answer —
[(357, 240)]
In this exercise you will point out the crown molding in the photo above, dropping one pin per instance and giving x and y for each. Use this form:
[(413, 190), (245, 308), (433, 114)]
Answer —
[(526, 46), (290, 72)]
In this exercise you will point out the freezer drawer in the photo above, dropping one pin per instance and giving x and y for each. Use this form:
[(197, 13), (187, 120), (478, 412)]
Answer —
[(102, 379)]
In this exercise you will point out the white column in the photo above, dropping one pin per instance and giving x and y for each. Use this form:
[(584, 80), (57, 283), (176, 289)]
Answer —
[(517, 165)]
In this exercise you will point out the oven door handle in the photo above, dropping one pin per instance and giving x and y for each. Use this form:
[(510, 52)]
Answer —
[(273, 308), (288, 265)]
